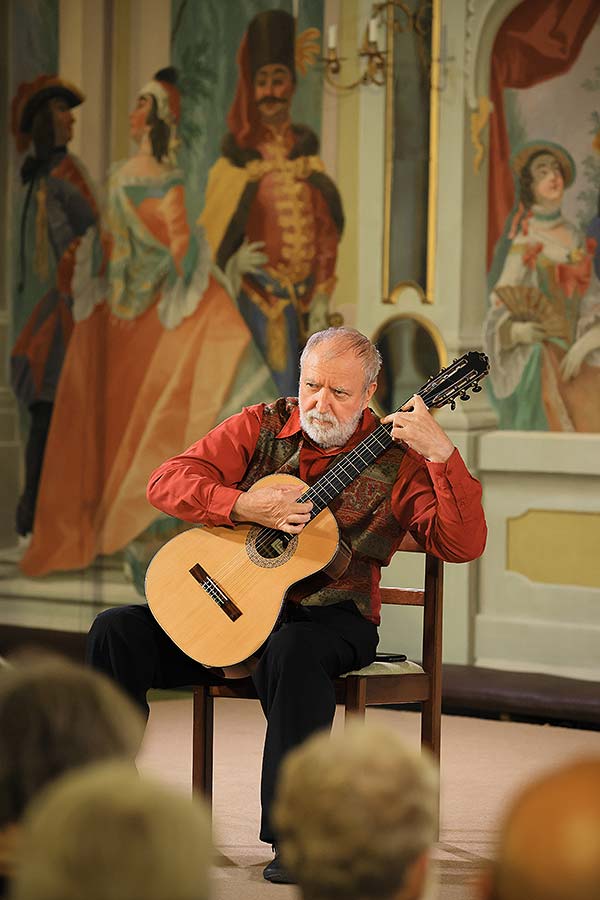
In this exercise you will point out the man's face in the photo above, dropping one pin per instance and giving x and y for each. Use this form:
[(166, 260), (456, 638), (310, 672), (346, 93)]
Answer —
[(273, 91), (332, 394), (548, 183), (62, 121)]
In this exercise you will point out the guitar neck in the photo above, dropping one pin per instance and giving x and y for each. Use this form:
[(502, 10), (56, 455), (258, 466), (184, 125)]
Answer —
[(346, 469), (439, 390)]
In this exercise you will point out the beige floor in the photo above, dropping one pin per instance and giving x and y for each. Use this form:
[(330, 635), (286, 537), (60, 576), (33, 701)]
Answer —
[(483, 763)]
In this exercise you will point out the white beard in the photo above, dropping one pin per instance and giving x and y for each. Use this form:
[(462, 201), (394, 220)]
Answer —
[(326, 430)]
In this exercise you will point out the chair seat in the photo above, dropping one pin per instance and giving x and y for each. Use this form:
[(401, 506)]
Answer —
[(379, 667)]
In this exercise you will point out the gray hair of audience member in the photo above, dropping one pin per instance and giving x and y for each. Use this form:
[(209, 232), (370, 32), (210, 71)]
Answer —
[(106, 833), (342, 339), (56, 715), (549, 844), (356, 814)]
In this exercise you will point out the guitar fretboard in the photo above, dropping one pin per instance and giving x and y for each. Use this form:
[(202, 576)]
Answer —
[(443, 388), (346, 469)]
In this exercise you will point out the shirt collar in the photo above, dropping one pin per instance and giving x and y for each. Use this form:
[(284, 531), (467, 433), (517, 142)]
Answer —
[(368, 422)]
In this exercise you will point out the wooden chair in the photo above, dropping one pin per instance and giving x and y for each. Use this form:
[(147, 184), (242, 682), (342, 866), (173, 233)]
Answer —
[(381, 683)]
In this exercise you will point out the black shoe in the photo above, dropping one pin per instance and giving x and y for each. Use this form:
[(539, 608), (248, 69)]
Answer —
[(275, 872)]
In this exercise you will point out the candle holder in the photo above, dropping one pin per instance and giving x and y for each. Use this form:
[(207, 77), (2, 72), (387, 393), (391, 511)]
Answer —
[(374, 72), (397, 16)]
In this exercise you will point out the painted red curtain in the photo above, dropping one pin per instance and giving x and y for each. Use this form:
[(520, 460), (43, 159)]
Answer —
[(539, 40)]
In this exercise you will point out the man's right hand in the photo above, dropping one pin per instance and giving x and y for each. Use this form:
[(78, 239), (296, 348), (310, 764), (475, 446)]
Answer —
[(275, 507)]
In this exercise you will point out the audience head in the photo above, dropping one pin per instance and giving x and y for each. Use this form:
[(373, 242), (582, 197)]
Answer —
[(104, 833), (54, 716), (549, 846), (356, 814)]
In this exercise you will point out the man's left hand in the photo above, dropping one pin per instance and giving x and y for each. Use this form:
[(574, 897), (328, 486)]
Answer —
[(414, 426)]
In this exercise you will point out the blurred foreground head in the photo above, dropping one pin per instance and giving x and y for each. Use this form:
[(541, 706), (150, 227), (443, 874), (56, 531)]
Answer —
[(104, 833), (356, 814), (55, 716), (549, 846)]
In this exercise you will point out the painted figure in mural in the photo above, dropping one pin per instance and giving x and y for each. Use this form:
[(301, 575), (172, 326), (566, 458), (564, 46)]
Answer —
[(542, 331), (269, 199), (158, 349), (58, 208)]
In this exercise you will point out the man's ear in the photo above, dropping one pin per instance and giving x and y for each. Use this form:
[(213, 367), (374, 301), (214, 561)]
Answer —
[(369, 393)]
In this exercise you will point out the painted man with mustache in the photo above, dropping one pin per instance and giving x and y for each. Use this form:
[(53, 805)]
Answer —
[(271, 204), (327, 627)]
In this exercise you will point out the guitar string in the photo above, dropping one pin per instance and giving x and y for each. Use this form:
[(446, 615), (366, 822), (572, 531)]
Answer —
[(372, 447), (343, 466), (322, 485)]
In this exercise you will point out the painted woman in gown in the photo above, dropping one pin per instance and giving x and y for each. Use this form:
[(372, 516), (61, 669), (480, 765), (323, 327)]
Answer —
[(542, 331), (158, 355)]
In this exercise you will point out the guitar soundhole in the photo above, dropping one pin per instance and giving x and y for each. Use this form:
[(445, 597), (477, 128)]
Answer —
[(268, 548)]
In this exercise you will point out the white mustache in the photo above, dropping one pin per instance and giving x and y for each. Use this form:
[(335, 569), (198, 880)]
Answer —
[(318, 418)]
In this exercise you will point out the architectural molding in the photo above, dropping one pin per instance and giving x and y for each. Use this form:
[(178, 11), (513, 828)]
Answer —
[(484, 18)]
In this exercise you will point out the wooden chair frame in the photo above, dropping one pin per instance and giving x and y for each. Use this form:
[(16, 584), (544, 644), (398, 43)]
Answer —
[(356, 691)]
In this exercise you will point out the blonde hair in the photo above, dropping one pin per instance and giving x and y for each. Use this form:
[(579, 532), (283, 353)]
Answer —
[(105, 833), (347, 339), (54, 716), (353, 812)]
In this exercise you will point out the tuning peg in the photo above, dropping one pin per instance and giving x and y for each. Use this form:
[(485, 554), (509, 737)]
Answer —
[(464, 396), (453, 405), (477, 388)]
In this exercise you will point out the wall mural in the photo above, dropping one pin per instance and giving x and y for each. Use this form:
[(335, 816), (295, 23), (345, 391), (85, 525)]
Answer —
[(191, 295), (542, 329)]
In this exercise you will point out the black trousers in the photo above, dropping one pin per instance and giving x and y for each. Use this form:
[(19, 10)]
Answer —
[(293, 678)]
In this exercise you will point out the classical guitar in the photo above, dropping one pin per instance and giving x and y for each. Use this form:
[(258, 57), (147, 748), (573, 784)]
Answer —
[(218, 592)]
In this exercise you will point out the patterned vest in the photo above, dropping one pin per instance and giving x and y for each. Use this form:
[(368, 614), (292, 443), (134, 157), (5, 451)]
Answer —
[(363, 512)]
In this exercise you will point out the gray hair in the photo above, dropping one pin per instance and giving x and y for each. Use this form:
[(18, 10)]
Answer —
[(347, 339), (354, 811), (105, 833)]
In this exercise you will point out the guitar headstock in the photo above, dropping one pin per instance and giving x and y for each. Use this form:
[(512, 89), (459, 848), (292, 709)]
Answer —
[(456, 380)]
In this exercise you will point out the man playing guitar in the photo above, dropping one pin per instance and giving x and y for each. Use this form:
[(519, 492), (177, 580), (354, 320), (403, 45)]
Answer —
[(419, 484)]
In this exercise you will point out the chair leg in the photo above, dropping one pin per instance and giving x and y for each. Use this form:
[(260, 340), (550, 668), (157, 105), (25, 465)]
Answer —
[(431, 714), (356, 696), (202, 743), (431, 717)]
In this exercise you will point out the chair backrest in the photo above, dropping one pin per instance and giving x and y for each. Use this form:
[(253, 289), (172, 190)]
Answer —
[(430, 597)]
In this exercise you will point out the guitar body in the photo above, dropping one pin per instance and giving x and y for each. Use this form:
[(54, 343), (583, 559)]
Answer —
[(181, 577)]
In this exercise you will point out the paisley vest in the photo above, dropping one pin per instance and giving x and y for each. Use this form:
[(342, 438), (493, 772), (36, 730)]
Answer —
[(363, 512)]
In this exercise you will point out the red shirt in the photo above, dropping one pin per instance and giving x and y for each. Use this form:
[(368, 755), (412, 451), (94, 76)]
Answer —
[(439, 503)]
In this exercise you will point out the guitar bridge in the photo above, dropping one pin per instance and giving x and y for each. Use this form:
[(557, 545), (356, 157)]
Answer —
[(213, 590)]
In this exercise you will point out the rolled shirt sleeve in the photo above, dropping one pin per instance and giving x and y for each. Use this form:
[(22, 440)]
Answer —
[(200, 485), (440, 505)]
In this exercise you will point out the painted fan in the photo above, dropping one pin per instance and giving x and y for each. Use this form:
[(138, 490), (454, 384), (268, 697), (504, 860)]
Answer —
[(528, 304)]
